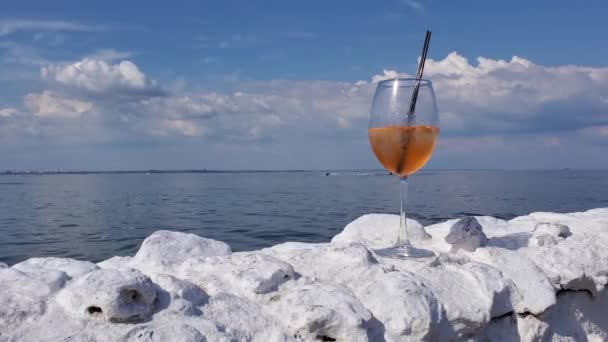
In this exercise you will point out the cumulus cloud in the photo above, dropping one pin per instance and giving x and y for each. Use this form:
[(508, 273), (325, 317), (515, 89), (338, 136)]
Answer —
[(50, 105), (99, 76)]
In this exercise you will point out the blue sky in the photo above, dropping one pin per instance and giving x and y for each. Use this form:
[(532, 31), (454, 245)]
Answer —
[(273, 84)]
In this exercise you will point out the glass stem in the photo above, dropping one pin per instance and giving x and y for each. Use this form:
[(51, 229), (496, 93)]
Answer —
[(402, 239)]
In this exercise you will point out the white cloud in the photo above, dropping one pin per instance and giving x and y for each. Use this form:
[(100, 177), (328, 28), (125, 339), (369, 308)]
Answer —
[(98, 75), (236, 116), (50, 105), (491, 97), (485, 106), (494, 95), (518, 95), (186, 128), (389, 74), (16, 53), (110, 55), (7, 112), (10, 26), (413, 4)]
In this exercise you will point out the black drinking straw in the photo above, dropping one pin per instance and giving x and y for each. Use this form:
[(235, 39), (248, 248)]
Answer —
[(425, 49)]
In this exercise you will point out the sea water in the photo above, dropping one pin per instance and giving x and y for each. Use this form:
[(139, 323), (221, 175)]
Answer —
[(96, 216)]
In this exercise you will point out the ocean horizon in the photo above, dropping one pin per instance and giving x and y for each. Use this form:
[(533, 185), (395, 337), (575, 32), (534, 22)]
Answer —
[(62, 171)]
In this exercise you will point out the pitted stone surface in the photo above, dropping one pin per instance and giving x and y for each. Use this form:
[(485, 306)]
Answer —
[(112, 295)]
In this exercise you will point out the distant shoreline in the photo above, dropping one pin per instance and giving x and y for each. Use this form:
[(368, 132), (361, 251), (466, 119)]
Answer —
[(169, 171), (203, 171)]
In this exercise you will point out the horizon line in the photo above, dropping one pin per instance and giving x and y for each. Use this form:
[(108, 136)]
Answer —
[(204, 170)]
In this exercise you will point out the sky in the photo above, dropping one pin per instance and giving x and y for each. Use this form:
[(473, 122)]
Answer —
[(125, 85)]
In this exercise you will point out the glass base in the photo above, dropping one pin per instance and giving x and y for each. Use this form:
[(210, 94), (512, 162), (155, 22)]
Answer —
[(404, 252)]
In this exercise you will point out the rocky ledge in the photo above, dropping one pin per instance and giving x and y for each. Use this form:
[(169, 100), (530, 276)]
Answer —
[(536, 277)]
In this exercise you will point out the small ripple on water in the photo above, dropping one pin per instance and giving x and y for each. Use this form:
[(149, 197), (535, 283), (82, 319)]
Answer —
[(127, 247), (238, 230), (267, 235), (34, 243), (464, 213)]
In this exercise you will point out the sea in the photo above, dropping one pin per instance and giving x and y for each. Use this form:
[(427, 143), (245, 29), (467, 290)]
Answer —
[(95, 216)]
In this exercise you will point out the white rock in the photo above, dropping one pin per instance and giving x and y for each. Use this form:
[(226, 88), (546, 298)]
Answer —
[(553, 229), (577, 316), (354, 266), (580, 262), (343, 290), (500, 329), (243, 320), (164, 250), (74, 268), (175, 332), (343, 263), (471, 293), (407, 309), (41, 281), (546, 240), (53, 324), (244, 274), (320, 311), (24, 295), (494, 229), (530, 328), (112, 295), (58, 326), (466, 234), (116, 262), (513, 241), (178, 294), (548, 234), (3, 265), (594, 221), (536, 290), (379, 230)]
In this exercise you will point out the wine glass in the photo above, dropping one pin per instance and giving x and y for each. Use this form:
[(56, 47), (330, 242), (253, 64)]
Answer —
[(403, 131)]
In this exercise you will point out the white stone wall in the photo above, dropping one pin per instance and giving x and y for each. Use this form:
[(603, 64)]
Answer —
[(539, 277)]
